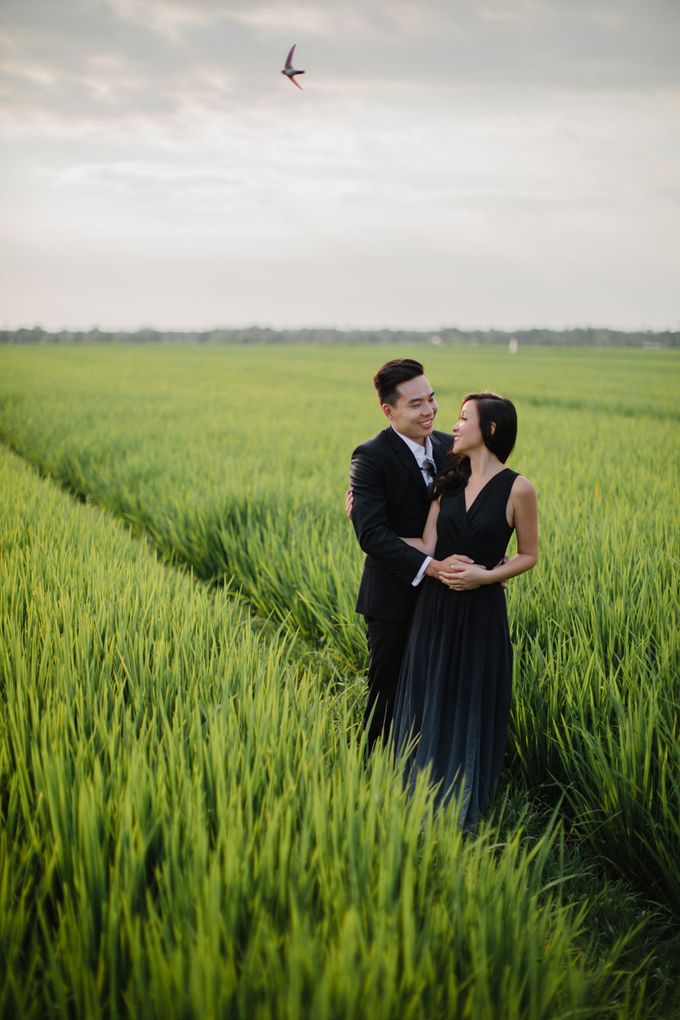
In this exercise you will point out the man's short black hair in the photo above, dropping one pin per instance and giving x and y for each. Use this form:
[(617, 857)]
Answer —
[(386, 380)]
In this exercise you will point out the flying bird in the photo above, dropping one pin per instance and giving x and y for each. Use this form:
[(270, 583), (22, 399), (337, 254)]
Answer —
[(289, 70)]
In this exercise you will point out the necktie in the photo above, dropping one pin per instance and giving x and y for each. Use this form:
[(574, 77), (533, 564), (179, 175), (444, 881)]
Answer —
[(430, 470)]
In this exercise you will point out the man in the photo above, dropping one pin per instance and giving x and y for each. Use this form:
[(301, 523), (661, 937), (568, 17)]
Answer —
[(391, 478)]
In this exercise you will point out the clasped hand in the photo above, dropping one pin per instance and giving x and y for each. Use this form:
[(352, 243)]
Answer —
[(461, 573)]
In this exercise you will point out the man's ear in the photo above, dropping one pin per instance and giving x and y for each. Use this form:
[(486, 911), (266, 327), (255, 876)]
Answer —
[(387, 411)]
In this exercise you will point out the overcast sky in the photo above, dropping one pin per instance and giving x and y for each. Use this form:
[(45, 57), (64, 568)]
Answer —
[(470, 163)]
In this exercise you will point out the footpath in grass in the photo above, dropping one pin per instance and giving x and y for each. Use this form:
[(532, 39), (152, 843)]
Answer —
[(234, 462), (187, 827)]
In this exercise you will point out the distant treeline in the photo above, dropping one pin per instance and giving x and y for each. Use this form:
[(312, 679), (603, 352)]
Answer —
[(261, 335)]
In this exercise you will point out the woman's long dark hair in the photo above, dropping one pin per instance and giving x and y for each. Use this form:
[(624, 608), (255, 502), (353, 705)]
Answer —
[(492, 409)]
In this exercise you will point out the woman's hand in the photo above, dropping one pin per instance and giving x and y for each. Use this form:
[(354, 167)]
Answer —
[(464, 576)]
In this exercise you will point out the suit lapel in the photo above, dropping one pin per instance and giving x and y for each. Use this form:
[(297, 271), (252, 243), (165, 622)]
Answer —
[(404, 455)]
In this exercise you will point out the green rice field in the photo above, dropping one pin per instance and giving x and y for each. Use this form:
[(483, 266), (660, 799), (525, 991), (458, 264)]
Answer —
[(187, 825)]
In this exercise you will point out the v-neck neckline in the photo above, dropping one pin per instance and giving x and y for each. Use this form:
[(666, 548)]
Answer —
[(485, 486)]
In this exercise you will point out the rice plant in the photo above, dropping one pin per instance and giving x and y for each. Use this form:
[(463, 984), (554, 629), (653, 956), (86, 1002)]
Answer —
[(234, 463), (188, 828)]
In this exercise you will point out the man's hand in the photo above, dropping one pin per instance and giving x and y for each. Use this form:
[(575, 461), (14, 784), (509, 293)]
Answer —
[(444, 568), (349, 503)]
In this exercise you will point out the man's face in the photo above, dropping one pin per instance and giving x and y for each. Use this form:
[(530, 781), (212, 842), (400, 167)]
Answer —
[(414, 412)]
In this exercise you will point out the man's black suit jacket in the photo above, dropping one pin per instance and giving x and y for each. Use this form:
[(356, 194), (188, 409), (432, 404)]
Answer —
[(390, 499)]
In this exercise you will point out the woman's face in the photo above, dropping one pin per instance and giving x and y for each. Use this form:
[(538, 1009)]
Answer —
[(467, 434)]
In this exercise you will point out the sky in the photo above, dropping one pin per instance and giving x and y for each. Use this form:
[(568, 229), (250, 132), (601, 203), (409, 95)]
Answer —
[(472, 163)]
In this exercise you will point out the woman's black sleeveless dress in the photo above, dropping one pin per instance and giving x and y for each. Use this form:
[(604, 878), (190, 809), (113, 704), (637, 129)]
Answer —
[(456, 676)]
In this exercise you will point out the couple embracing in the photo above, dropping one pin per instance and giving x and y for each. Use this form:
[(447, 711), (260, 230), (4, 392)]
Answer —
[(434, 515)]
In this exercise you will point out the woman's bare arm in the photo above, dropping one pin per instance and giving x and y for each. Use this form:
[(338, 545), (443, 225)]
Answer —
[(428, 540)]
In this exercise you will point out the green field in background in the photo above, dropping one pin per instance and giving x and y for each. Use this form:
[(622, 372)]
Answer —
[(234, 463)]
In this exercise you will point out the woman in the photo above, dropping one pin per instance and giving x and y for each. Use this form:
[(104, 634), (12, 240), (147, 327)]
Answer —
[(454, 687)]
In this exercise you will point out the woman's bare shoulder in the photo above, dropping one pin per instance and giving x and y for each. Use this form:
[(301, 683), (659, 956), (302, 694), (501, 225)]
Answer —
[(522, 487)]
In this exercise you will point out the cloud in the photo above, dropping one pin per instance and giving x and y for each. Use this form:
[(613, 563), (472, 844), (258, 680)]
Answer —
[(439, 144), (112, 58)]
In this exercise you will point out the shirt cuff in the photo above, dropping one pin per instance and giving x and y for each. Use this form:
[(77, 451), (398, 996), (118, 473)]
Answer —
[(421, 573)]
